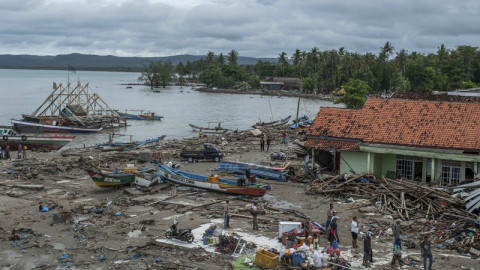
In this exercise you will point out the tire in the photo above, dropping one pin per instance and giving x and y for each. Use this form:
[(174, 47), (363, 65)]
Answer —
[(190, 159), (284, 158), (24, 138), (217, 159), (168, 234), (190, 238), (272, 158), (5, 137)]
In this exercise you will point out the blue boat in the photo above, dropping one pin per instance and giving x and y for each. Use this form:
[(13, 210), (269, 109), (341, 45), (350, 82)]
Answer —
[(141, 116), (259, 170)]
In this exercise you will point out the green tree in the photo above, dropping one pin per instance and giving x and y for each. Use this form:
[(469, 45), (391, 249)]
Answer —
[(165, 72), (150, 73), (212, 76), (400, 83), (467, 85), (233, 58), (355, 92), (254, 82)]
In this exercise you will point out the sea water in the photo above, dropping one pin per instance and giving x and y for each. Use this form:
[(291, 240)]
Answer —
[(23, 91)]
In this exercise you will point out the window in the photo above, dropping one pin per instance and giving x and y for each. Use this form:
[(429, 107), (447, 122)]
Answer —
[(450, 172), (405, 166)]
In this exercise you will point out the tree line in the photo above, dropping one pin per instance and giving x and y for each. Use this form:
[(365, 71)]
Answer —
[(325, 71)]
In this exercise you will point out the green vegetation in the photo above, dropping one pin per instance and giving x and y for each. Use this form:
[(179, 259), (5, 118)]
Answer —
[(355, 94), (156, 73), (324, 71)]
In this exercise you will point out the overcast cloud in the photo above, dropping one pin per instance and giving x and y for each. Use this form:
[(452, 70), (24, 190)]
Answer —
[(262, 28)]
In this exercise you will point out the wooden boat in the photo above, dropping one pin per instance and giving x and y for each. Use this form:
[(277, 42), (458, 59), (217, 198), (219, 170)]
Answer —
[(212, 183), (109, 179), (141, 116), (141, 176), (280, 122), (259, 170), (42, 143), (208, 130), (127, 146), (37, 127)]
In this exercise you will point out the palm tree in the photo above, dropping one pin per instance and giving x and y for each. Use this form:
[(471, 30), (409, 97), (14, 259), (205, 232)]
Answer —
[(401, 60), (233, 58), (282, 60), (210, 58)]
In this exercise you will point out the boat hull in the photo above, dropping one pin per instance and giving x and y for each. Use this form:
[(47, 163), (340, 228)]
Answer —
[(37, 127), (41, 143), (110, 180), (202, 182), (208, 130)]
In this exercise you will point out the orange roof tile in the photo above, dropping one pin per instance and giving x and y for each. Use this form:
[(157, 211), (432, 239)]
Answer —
[(332, 144), (422, 123)]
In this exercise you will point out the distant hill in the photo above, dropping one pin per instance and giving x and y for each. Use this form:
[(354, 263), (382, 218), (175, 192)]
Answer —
[(99, 62)]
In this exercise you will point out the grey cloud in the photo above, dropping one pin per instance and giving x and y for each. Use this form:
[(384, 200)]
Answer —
[(261, 28)]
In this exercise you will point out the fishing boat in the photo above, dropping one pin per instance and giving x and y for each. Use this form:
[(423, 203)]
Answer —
[(209, 130), (126, 146), (302, 125), (109, 179), (141, 116), (38, 127), (259, 170), (280, 122), (141, 176), (40, 143), (212, 183)]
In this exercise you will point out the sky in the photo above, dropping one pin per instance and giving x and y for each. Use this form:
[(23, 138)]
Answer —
[(254, 28)]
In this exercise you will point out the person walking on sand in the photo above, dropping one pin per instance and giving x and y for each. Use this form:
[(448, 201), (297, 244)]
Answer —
[(226, 215), (426, 251), (254, 212), (354, 231), (262, 144), (20, 149), (268, 142), (333, 231), (397, 253)]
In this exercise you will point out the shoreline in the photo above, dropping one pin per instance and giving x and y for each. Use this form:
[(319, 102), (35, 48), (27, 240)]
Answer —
[(277, 93)]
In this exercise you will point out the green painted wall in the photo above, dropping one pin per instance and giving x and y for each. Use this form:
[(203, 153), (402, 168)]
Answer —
[(356, 160)]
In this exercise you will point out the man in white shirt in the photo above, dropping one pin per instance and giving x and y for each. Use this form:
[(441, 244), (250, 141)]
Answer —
[(354, 231)]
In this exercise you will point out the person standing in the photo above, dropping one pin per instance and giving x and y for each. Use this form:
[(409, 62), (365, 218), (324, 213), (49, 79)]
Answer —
[(24, 152), (226, 214), (7, 152), (397, 231), (20, 149), (333, 231), (262, 144), (1, 153), (268, 142), (254, 212), (307, 160), (200, 134), (367, 249), (329, 216), (397, 253), (284, 137), (307, 226), (426, 251), (354, 231)]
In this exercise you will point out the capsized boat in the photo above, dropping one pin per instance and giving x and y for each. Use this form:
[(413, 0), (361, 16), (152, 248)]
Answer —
[(212, 183), (42, 143)]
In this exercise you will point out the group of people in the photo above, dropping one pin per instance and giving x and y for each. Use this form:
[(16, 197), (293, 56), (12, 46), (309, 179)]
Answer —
[(253, 211), (264, 139), (5, 153)]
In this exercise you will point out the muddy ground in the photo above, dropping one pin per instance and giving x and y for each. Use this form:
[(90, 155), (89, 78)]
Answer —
[(130, 231)]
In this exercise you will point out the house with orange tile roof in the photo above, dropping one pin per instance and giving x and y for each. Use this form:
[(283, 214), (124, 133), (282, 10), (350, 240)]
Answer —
[(419, 140)]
